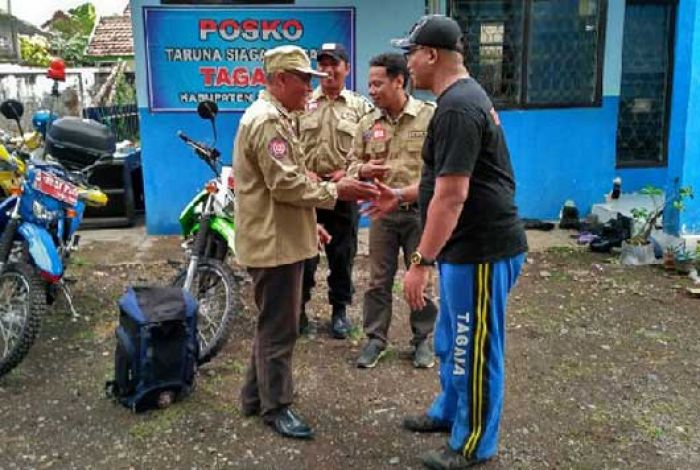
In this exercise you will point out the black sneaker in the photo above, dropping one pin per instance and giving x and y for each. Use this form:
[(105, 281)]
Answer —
[(423, 357), (448, 459), (424, 423), (340, 323), (370, 354), (307, 327)]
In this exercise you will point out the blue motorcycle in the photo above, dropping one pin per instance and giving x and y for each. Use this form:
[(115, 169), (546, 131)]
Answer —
[(38, 225)]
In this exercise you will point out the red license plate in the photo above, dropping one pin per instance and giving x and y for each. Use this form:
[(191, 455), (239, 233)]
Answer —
[(56, 187)]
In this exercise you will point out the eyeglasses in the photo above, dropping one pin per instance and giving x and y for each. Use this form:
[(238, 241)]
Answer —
[(411, 51)]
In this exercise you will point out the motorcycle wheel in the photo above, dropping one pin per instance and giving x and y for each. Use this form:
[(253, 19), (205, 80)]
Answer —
[(218, 293), (22, 305)]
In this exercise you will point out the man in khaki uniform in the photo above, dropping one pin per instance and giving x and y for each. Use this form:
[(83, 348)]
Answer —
[(277, 230), (327, 129), (388, 146)]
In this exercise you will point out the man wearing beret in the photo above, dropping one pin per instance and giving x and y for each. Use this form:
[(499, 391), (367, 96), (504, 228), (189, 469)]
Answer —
[(277, 230)]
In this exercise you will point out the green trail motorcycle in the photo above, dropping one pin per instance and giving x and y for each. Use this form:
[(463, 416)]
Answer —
[(208, 227)]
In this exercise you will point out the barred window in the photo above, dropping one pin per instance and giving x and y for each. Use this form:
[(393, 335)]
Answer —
[(535, 53)]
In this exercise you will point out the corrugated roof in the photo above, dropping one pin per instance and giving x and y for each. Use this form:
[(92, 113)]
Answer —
[(112, 37)]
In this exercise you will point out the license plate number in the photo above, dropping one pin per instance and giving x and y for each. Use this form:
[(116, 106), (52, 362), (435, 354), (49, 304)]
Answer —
[(56, 187)]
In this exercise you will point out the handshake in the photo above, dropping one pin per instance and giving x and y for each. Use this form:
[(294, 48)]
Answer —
[(380, 198)]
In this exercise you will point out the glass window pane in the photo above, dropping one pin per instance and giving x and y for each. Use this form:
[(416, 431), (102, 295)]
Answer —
[(642, 127), (563, 52), (494, 33)]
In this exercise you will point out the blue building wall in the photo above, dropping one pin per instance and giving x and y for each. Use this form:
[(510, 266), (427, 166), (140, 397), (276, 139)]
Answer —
[(684, 166), (171, 172), (558, 154)]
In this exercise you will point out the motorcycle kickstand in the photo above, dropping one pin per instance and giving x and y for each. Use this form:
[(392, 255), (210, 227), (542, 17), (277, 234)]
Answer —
[(67, 294)]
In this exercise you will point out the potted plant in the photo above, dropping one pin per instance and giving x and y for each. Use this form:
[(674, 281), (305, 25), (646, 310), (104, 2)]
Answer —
[(638, 249), (685, 261), (670, 258)]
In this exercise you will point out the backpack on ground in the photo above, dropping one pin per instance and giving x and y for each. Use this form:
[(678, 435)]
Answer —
[(157, 348)]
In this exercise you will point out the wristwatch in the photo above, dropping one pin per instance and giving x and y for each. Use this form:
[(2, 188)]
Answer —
[(418, 260)]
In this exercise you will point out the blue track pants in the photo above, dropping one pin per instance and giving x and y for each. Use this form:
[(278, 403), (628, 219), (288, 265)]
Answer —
[(470, 341)]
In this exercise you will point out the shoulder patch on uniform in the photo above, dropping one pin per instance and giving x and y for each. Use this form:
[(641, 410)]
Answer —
[(278, 148), (378, 132)]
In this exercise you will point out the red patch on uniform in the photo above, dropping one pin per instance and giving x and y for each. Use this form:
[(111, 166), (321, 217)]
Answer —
[(312, 106), (277, 148), (494, 116), (378, 132)]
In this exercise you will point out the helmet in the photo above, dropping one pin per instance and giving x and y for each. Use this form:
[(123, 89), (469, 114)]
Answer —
[(57, 70), (41, 120)]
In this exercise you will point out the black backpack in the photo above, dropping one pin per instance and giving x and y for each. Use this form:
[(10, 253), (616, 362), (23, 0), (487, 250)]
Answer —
[(157, 348)]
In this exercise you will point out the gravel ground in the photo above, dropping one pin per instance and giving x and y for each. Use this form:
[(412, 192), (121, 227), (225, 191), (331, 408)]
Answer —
[(602, 362)]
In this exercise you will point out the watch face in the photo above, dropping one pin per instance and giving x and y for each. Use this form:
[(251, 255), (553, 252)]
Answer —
[(416, 258)]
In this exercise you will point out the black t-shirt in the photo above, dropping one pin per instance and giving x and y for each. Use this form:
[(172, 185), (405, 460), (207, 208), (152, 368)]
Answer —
[(465, 138)]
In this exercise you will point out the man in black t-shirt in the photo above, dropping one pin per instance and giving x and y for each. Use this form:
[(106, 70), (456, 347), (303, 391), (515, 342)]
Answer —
[(471, 226)]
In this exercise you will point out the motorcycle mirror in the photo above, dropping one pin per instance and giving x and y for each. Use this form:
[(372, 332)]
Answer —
[(207, 110), (13, 109)]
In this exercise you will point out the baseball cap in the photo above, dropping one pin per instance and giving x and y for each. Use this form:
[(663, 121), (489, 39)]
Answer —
[(433, 31), (334, 50), (284, 58)]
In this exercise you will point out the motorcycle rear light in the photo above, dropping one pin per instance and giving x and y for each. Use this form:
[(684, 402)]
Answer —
[(15, 191), (71, 213), (50, 278), (211, 187)]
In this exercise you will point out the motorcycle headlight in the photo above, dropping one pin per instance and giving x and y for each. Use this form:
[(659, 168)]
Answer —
[(42, 213)]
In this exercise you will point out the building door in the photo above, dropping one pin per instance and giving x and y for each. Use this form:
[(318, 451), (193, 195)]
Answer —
[(645, 93)]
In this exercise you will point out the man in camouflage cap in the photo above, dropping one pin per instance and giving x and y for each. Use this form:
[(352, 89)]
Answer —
[(388, 146), (277, 230), (327, 128)]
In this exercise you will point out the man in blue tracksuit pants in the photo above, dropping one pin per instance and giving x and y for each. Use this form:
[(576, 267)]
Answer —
[(471, 227)]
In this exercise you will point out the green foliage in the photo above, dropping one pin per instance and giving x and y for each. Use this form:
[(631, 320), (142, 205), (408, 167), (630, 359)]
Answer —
[(125, 92), (683, 254), (71, 50), (34, 51), (71, 34), (648, 218), (79, 21)]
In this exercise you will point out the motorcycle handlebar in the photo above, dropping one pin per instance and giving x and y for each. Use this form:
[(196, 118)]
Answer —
[(200, 149)]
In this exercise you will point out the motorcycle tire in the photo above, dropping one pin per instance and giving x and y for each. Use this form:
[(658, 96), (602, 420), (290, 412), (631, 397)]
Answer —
[(23, 327), (214, 322)]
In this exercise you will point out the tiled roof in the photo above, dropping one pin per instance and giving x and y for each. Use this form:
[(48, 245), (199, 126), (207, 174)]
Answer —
[(112, 37)]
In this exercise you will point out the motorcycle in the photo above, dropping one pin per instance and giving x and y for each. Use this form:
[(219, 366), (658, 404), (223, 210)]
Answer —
[(38, 224), (209, 229)]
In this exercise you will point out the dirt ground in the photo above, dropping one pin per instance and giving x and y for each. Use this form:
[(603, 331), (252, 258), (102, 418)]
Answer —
[(603, 372)]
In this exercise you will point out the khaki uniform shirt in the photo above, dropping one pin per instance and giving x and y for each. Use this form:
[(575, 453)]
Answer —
[(398, 142), (327, 129), (275, 200)]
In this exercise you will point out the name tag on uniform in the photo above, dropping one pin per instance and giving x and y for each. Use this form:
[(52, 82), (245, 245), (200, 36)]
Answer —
[(312, 106), (417, 134)]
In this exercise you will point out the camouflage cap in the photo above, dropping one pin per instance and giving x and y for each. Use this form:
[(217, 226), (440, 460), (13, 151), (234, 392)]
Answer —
[(289, 58)]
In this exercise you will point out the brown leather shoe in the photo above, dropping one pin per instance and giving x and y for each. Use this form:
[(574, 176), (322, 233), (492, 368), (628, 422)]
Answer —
[(448, 459), (424, 423)]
